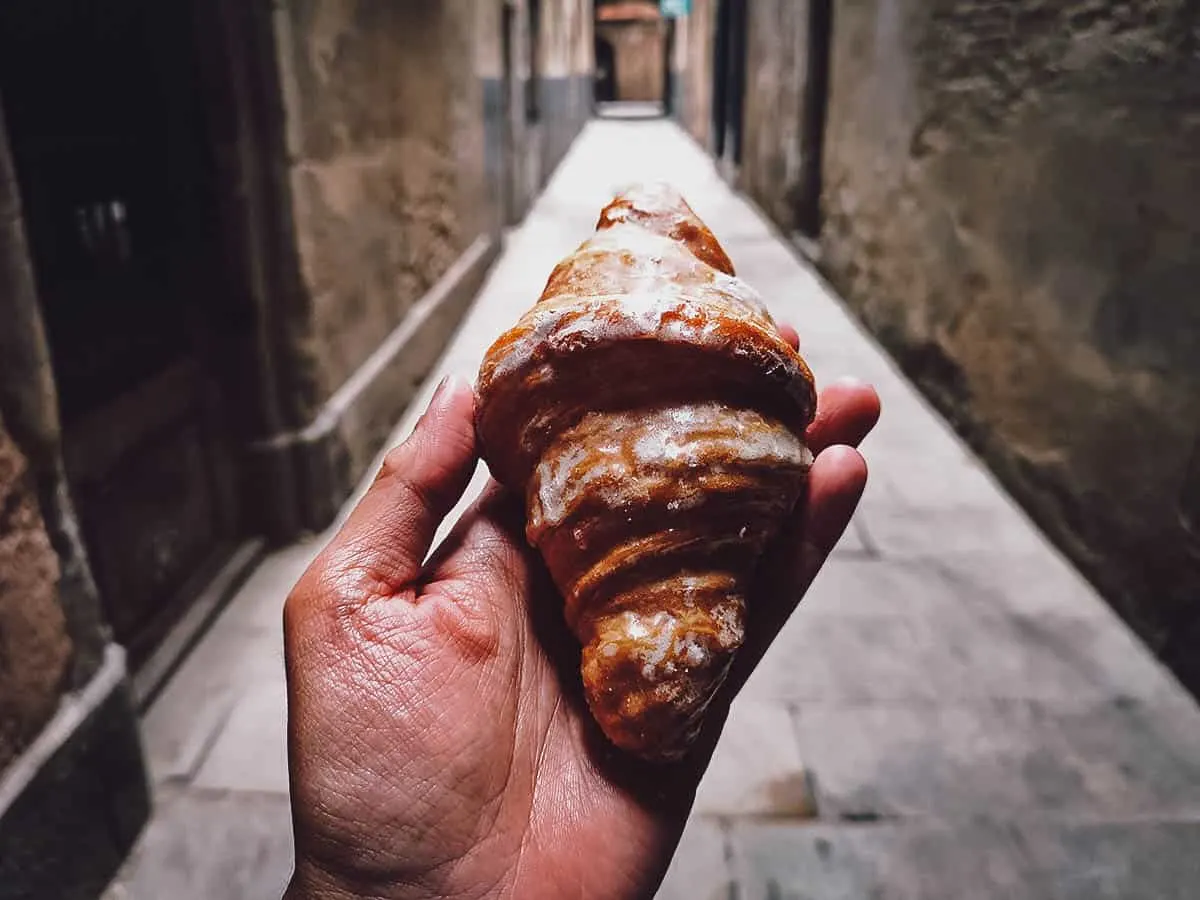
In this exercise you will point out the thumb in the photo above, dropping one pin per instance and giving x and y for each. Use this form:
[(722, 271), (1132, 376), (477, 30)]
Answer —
[(387, 536)]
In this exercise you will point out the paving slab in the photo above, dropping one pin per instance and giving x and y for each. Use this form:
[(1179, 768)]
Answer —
[(701, 869), (757, 769), (965, 652), (250, 753), (1011, 759), (894, 861), (211, 846), (1121, 860)]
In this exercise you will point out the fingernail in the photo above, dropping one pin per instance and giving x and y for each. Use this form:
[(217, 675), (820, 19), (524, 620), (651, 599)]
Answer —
[(444, 389)]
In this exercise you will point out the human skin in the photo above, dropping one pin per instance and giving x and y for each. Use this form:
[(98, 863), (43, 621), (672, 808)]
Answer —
[(439, 742)]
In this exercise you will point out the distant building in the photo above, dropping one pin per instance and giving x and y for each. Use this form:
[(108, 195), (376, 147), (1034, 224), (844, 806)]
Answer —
[(631, 51), (233, 239)]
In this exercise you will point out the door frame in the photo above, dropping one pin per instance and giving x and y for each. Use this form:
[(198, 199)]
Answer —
[(813, 115), (730, 41)]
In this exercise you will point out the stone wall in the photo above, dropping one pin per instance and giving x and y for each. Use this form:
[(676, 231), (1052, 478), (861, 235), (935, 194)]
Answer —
[(385, 152), (501, 103), (772, 167), (532, 113), (565, 84), (639, 54), (34, 645), (1011, 199), (692, 65)]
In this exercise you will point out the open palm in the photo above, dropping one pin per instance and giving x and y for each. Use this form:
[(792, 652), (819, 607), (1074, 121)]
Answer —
[(440, 745)]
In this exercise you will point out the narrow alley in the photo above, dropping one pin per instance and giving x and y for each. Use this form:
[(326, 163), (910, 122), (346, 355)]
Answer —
[(953, 713)]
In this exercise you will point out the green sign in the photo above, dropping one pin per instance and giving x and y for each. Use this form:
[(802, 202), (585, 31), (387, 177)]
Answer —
[(673, 9)]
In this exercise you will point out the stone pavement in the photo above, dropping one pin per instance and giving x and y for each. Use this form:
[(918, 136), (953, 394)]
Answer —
[(953, 714)]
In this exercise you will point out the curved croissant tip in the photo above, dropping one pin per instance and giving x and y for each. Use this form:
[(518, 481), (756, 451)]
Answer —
[(653, 726), (657, 193)]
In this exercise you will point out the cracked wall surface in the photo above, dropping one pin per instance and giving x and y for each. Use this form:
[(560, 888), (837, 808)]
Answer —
[(385, 144), (35, 651), (1010, 203), (776, 78)]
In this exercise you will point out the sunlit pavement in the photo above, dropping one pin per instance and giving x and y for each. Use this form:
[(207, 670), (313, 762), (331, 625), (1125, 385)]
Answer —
[(953, 714)]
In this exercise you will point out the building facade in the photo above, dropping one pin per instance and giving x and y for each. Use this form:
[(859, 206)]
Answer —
[(1007, 195), (233, 240), (534, 60), (631, 52)]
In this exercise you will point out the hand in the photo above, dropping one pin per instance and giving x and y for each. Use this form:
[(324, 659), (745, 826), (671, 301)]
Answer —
[(439, 741)]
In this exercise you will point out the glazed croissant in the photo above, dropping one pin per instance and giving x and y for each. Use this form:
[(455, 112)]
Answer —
[(652, 415)]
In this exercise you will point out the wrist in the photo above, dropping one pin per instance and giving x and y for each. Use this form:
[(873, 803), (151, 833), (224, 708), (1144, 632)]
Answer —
[(311, 883)]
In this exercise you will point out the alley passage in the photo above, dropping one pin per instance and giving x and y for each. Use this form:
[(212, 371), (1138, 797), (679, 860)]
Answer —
[(952, 714)]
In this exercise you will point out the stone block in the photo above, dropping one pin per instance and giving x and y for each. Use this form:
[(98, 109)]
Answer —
[(944, 480), (1038, 583), (204, 845), (244, 647), (889, 861), (250, 752), (700, 868), (927, 533), (969, 650), (757, 769), (867, 587), (178, 737), (1000, 759), (1121, 860)]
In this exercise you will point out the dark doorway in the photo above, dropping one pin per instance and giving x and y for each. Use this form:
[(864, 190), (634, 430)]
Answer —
[(119, 197), (1189, 500), (508, 173), (534, 84), (669, 87), (606, 71), (729, 80), (812, 117)]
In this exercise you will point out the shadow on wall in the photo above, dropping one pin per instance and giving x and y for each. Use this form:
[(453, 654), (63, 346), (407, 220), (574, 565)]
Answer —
[(606, 71)]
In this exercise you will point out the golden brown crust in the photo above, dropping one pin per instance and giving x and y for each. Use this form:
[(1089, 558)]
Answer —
[(653, 416), (659, 209)]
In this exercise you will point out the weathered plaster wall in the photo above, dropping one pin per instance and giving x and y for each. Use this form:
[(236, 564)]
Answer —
[(565, 88), (521, 151), (499, 99), (1012, 206), (639, 54), (772, 152), (35, 650), (385, 145), (693, 65)]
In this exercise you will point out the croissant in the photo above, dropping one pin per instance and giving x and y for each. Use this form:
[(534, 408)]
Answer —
[(652, 415)]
